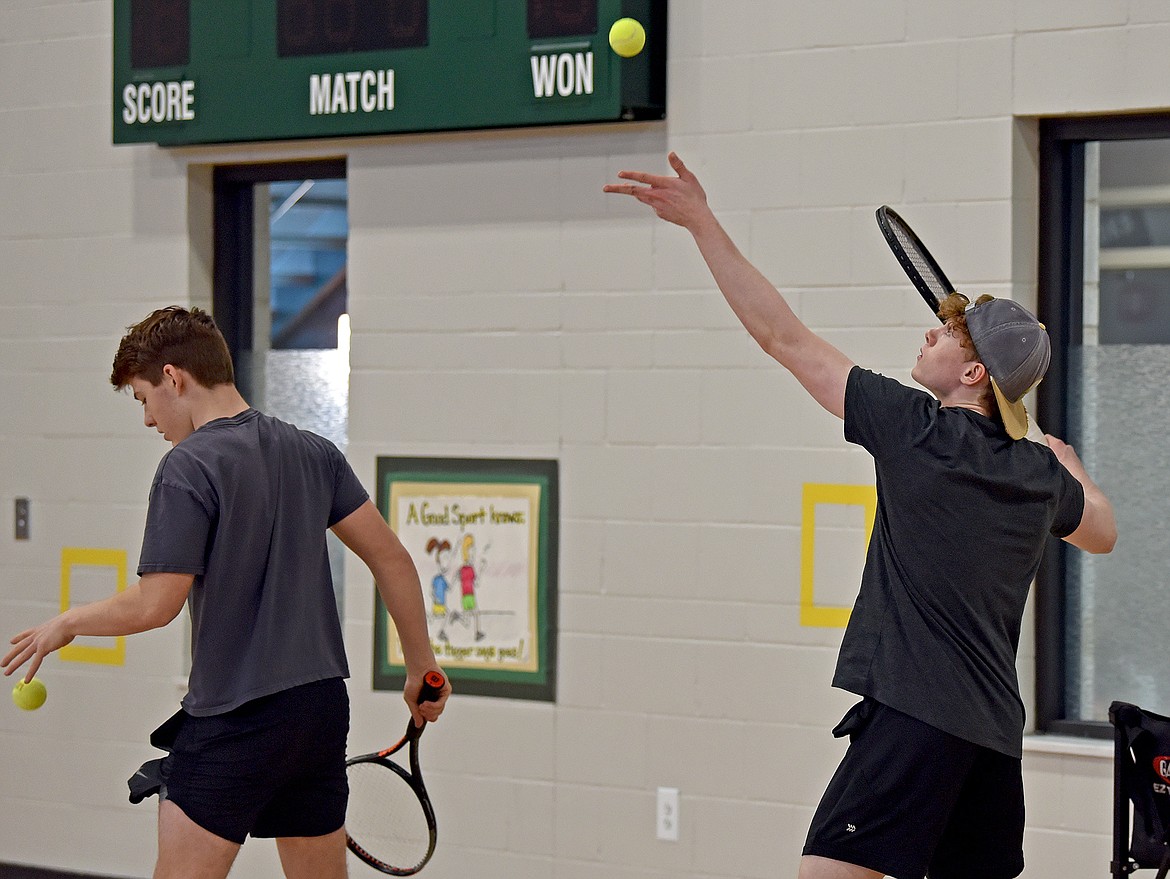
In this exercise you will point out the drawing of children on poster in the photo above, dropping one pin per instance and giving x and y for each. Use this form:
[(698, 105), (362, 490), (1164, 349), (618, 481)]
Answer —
[(441, 550), (483, 603), (467, 583)]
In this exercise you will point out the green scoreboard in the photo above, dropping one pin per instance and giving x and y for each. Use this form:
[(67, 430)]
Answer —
[(219, 71)]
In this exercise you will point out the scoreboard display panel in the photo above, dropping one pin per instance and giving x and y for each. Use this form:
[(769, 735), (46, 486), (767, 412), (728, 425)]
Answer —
[(222, 71)]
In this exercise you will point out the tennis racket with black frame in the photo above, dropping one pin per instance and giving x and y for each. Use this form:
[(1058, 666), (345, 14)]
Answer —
[(389, 822), (926, 275), (920, 267)]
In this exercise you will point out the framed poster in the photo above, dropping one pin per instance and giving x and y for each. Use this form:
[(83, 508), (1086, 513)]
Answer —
[(483, 535)]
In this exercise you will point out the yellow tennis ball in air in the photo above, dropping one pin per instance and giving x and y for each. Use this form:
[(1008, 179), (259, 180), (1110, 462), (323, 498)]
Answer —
[(30, 696), (627, 37)]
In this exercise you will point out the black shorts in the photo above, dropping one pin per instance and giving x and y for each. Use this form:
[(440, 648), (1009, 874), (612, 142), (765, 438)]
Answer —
[(273, 767), (909, 800)]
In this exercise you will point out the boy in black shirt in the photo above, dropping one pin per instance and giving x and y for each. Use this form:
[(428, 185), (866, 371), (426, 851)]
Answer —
[(932, 781)]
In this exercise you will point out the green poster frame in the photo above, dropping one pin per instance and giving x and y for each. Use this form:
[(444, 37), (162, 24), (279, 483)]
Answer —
[(429, 489)]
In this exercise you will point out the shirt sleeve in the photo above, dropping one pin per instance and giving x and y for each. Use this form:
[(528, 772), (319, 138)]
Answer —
[(882, 414), (178, 529), (1070, 505), (348, 491)]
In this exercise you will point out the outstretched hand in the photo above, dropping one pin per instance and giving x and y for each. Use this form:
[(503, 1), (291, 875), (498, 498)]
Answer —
[(33, 645), (680, 199)]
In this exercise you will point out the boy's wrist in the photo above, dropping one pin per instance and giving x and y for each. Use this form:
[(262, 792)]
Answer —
[(68, 622)]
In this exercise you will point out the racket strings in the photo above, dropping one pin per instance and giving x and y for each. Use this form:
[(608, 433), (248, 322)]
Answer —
[(923, 266), (385, 816)]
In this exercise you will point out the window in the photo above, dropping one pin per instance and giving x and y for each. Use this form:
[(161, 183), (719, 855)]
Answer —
[(1105, 295)]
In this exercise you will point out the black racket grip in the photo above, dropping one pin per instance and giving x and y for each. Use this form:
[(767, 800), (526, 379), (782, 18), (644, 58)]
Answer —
[(432, 686)]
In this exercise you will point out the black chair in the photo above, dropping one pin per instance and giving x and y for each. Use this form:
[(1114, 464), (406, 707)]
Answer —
[(1141, 777)]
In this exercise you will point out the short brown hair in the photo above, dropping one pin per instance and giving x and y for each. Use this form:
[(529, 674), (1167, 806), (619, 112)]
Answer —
[(189, 340)]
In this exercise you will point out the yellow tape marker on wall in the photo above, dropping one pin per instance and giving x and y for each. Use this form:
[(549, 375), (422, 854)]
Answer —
[(73, 557), (864, 496)]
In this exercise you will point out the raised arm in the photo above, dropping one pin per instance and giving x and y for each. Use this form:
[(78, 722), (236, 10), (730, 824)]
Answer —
[(817, 365), (1097, 532), (366, 533)]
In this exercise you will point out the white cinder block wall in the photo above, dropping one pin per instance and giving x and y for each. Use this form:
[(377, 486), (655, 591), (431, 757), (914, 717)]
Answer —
[(488, 271)]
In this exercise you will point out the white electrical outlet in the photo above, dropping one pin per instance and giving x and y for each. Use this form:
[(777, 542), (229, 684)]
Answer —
[(668, 813)]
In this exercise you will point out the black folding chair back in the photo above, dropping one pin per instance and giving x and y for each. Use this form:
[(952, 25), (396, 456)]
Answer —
[(1141, 778)]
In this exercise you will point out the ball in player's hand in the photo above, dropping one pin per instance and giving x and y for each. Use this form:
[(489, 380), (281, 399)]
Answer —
[(30, 696), (627, 37)]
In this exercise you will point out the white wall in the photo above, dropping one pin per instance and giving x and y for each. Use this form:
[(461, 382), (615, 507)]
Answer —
[(490, 270)]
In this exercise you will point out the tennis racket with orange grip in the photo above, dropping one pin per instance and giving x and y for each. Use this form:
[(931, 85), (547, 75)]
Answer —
[(390, 823)]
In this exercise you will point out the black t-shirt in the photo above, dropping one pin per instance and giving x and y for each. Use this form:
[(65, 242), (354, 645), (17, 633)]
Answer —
[(963, 515), (243, 503)]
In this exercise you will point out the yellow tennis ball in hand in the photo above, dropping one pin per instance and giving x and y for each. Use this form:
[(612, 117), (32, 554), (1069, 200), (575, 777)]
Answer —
[(627, 37), (30, 696)]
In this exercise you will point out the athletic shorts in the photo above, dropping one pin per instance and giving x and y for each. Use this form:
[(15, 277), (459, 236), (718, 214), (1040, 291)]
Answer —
[(909, 800), (273, 767)]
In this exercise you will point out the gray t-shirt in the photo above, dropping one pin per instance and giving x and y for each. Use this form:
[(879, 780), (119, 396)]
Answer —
[(963, 514), (243, 503)]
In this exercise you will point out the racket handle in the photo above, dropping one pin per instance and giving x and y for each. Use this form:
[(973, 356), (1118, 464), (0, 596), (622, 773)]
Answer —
[(433, 683)]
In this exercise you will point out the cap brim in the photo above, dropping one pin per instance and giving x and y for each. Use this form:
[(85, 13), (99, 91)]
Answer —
[(1013, 415)]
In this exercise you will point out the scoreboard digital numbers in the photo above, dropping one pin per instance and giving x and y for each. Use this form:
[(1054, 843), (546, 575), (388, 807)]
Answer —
[(222, 71)]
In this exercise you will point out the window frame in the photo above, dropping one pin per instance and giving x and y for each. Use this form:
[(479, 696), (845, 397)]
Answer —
[(1061, 285)]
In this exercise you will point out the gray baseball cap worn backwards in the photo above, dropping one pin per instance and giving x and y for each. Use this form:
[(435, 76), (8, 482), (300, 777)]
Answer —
[(1015, 348)]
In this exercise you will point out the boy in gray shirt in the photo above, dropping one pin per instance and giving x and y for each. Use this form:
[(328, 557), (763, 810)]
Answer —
[(236, 528)]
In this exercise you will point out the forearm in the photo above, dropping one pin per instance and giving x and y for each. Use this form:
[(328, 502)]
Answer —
[(1093, 491), (400, 590), (366, 533), (755, 300), (816, 364), (1103, 519), (1097, 531), (150, 603), (137, 609)]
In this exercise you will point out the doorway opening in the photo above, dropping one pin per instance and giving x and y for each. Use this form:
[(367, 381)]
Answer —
[(280, 295)]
